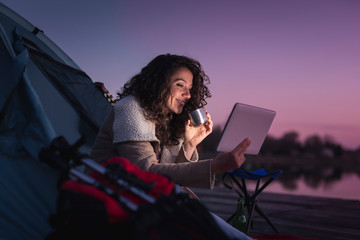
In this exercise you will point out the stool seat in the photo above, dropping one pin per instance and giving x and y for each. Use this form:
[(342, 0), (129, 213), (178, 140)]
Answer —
[(255, 175), (250, 200)]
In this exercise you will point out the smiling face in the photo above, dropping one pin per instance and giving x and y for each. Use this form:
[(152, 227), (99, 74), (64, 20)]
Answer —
[(180, 85)]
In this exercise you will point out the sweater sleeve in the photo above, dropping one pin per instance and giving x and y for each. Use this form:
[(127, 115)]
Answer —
[(190, 174), (182, 156)]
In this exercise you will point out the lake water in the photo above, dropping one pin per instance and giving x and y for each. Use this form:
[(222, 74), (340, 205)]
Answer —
[(334, 178), (348, 187)]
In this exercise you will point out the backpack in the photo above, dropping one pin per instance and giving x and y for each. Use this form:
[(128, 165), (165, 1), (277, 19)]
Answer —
[(117, 200)]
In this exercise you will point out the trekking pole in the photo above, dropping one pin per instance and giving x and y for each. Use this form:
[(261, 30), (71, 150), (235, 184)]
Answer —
[(89, 180), (97, 167)]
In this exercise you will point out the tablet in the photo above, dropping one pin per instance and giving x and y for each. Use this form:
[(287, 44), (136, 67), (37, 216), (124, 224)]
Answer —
[(246, 121)]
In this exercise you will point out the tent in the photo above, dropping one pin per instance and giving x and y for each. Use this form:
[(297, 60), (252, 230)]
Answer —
[(43, 94)]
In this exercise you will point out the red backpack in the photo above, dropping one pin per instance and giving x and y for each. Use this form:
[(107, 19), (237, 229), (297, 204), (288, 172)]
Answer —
[(117, 200)]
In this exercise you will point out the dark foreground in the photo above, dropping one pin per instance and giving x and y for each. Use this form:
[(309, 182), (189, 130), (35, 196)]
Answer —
[(303, 216)]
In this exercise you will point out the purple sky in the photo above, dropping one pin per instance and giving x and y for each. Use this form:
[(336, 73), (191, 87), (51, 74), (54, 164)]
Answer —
[(299, 58)]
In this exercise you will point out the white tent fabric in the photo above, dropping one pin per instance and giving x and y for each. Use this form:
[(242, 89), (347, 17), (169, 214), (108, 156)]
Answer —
[(43, 95)]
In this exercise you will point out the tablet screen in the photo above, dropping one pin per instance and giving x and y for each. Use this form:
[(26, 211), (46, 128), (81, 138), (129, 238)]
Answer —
[(246, 121)]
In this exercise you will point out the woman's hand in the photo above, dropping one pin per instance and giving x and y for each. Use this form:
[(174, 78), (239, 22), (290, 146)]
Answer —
[(230, 160), (195, 135)]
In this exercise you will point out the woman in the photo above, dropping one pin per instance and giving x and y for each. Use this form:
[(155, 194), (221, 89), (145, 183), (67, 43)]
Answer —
[(150, 125)]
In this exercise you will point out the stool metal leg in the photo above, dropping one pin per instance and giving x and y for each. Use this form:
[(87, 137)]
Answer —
[(260, 212), (251, 208), (241, 187), (263, 187), (231, 218), (251, 201), (251, 204)]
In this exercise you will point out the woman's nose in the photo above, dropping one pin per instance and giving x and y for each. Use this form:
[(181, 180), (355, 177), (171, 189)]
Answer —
[(187, 93)]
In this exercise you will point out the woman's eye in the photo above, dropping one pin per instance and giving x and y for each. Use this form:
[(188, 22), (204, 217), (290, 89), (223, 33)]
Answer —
[(179, 85)]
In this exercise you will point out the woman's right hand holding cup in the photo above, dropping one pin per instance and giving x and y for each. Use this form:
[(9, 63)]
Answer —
[(227, 161)]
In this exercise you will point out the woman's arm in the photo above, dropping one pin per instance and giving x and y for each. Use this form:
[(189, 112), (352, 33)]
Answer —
[(190, 174)]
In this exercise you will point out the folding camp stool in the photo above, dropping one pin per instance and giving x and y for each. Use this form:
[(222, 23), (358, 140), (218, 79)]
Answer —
[(250, 200)]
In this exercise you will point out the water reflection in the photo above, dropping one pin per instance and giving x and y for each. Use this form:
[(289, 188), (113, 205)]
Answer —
[(316, 166), (310, 176)]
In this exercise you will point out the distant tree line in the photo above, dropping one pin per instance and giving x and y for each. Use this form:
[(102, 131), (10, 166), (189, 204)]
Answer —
[(290, 145), (287, 145)]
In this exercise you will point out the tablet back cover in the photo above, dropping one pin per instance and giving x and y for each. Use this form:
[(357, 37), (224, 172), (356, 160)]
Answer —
[(246, 121)]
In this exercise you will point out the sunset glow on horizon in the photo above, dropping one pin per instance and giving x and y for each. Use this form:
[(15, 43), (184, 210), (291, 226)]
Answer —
[(299, 58)]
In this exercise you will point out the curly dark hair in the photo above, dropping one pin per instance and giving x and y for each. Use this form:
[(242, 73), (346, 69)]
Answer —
[(151, 87)]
